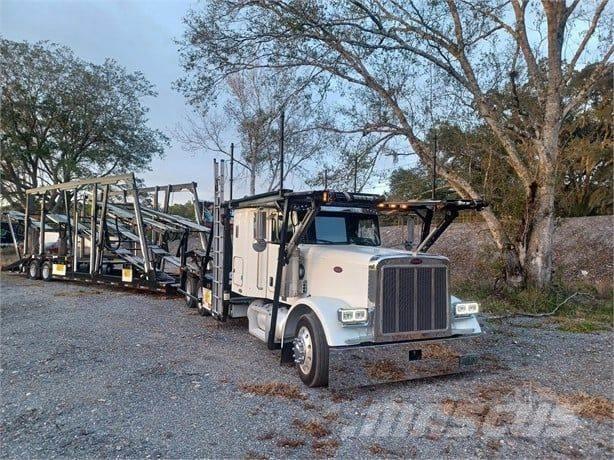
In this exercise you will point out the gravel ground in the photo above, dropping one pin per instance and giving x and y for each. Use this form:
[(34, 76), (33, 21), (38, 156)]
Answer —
[(89, 371)]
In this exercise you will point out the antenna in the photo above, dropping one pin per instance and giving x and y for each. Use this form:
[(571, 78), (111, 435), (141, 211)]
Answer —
[(355, 172), (434, 145), (281, 150), (232, 161)]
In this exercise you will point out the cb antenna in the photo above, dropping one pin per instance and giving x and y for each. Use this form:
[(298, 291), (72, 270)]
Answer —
[(281, 150), (232, 161), (434, 131)]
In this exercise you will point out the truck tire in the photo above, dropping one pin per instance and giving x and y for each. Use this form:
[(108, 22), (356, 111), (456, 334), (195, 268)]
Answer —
[(34, 272), (191, 287), (46, 271), (311, 351)]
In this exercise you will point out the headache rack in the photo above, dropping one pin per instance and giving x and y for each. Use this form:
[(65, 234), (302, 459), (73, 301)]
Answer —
[(426, 210)]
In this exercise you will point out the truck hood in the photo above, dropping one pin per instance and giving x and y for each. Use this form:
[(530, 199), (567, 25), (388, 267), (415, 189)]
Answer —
[(350, 253), (342, 271)]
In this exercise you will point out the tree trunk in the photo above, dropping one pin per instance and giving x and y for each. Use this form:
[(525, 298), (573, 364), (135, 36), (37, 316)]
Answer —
[(252, 182), (539, 237)]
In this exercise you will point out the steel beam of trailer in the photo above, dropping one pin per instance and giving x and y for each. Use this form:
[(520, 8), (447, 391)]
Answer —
[(189, 186), (128, 178)]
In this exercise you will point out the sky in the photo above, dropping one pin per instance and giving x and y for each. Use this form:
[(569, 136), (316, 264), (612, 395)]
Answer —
[(139, 35)]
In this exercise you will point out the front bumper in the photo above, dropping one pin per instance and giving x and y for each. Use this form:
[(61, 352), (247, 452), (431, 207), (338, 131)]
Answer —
[(372, 364)]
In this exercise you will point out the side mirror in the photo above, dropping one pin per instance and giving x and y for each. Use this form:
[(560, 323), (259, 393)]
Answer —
[(259, 243), (409, 243)]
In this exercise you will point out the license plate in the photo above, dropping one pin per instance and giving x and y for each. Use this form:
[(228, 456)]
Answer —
[(127, 275), (207, 297), (58, 269)]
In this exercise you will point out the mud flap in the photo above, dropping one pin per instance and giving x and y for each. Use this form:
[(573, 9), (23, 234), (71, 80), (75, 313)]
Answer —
[(369, 365)]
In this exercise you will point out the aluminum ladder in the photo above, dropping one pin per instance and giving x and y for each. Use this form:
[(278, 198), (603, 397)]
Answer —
[(218, 243)]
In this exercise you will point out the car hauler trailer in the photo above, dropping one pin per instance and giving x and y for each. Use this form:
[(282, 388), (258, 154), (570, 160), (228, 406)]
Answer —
[(308, 271), (111, 232)]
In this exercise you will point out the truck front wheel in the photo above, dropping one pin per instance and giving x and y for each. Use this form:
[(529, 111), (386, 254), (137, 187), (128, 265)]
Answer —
[(311, 351)]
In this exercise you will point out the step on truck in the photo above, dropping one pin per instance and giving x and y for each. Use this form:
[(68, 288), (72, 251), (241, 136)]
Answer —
[(308, 271)]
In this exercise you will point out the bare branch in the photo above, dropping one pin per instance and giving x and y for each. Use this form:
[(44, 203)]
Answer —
[(587, 36)]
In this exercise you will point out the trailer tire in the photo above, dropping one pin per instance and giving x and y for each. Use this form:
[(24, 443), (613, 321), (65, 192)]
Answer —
[(46, 271), (191, 287), (310, 345), (34, 272)]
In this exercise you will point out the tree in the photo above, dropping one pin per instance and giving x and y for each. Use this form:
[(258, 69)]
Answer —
[(63, 118), (415, 183), (383, 49), (252, 107), (584, 171), (585, 182), (352, 166)]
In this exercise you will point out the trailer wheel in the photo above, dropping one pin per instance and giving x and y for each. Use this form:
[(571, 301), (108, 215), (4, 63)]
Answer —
[(191, 287), (311, 351), (46, 271), (34, 270)]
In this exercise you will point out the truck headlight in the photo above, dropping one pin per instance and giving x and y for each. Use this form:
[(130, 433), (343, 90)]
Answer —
[(466, 308), (353, 315)]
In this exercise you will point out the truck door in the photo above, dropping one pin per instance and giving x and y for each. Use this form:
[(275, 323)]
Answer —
[(272, 252)]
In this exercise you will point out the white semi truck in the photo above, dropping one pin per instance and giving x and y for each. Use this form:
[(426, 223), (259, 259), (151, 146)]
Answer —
[(308, 271), (305, 268)]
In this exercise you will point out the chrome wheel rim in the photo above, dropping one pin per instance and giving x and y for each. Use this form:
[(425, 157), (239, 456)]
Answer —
[(303, 350), (46, 271), (33, 270)]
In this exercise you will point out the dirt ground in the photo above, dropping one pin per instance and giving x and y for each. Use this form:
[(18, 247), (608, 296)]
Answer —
[(86, 371)]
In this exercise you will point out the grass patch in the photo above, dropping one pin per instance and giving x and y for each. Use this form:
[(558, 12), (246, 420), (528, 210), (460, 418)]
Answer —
[(325, 447), (589, 406), (584, 312), (290, 443), (379, 451), (281, 390), (594, 407), (312, 427)]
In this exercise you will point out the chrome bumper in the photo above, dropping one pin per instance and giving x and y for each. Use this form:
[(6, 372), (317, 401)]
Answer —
[(372, 364)]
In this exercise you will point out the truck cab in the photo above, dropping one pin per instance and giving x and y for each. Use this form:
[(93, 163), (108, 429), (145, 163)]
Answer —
[(310, 274)]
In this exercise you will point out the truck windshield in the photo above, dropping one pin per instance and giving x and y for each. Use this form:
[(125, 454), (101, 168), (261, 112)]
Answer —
[(343, 228)]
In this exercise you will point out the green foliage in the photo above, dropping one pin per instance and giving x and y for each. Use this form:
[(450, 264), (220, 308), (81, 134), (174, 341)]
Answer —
[(182, 209), (64, 118), (417, 183), (584, 312), (585, 167)]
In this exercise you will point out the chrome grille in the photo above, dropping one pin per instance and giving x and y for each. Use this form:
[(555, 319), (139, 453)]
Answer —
[(413, 299)]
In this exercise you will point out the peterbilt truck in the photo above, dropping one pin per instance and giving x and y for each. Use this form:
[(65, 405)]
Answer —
[(308, 271)]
